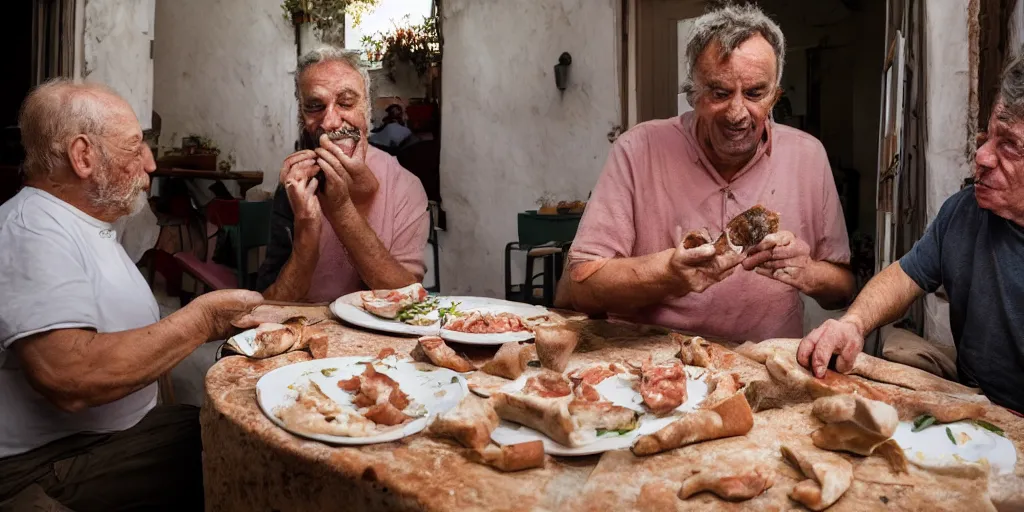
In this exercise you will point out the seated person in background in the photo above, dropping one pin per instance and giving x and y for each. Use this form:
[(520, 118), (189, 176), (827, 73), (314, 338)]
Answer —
[(81, 339), (700, 170), (392, 132), (367, 226), (975, 249)]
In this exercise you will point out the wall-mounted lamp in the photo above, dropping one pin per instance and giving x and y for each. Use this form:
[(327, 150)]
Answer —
[(562, 70)]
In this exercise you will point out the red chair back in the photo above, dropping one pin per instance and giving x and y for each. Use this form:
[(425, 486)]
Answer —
[(223, 212)]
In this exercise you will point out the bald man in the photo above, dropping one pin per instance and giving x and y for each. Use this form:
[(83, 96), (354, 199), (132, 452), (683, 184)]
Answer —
[(81, 340)]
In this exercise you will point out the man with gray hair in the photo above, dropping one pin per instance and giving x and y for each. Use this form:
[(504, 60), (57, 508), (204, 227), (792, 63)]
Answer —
[(81, 339), (974, 248), (700, 170), (347, 216)]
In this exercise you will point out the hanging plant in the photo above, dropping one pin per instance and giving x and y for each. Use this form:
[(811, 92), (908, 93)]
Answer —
[(326, 14), (415, 44)]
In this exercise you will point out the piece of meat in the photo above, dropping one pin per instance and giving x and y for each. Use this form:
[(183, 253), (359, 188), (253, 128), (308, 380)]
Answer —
[(315, 413), (388, 303), (730, 417), (555, 344), (586, 392), (267, 340), (694, 351), (663, 387), (470, 423), (385, 352), (350, 385), (510, 360), (376, 388), (828, 476), (696, 238), (602, 415), (513, 457), (750, 227), (547, 384), (432, 349), (595, 374), (729, 482), (386, 414), (476, 322)]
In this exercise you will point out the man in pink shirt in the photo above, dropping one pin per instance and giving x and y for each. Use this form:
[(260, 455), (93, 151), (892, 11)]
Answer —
[(347, 216), (666, 177)]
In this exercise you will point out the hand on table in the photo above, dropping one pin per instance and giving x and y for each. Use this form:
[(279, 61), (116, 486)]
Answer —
[(844, 337), (785, 258), (700, 267), (217, 310)]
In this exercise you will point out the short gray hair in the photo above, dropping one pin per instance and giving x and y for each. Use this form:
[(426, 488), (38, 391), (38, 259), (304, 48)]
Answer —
[(1011, 89), (731, 26), (53, 114), (352, 59)]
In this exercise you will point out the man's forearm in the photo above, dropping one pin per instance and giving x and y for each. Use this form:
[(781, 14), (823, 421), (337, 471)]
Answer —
[(75, 368), (375, 264), (883, 300), (624, 285), (834, 285)]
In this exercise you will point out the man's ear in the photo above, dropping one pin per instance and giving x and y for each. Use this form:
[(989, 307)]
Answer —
[(84, 156), (776, 96)]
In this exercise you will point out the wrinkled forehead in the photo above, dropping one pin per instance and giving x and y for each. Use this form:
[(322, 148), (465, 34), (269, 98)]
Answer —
[(120, 120), (1007, 122), (751, 62), (330, 80)]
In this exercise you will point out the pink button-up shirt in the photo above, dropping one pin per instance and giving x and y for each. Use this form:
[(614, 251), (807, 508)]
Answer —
[(657, 177)]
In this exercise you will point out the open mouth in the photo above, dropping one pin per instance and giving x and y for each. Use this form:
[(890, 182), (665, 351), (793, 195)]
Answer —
[(346, 138)]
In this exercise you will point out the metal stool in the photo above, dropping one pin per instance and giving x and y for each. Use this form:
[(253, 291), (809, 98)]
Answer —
[(552, 256)]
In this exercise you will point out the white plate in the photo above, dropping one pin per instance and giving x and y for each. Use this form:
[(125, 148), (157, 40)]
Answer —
[(620, 392), (931, 447), (345, 308), (434, 389)]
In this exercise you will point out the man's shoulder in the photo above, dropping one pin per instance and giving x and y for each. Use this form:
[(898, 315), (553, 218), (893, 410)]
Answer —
[(787, 138), (961, 208), (31, 209), (394, 179)]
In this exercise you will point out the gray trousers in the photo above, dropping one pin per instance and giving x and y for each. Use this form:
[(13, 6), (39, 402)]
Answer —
[(155, 465)]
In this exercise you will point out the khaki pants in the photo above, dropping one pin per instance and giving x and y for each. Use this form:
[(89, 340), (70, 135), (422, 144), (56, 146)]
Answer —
[(155, 465)]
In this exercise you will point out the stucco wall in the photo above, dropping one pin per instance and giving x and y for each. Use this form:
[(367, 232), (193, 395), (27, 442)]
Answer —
[(115, 50), (224, 70), (509, 136)]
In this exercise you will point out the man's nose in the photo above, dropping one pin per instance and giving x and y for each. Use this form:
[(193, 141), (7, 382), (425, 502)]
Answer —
[(332, 119), (986, 157), (148, 163), (737, 111)]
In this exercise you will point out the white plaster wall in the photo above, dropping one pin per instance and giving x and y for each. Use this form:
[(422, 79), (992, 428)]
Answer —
[(1016, 28), (509, 136), (946, 147), (225, 70), (115, 50)]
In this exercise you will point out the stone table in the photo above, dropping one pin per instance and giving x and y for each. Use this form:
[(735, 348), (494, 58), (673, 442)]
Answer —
[(250, 464)]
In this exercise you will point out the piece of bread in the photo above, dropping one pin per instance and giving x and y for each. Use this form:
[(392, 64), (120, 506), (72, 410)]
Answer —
[(513, 457), (470, 423), (510, 360), (729, 482), (730, 417), (555, 344), (876, 417), (828, 476), (388, 303), (433, 350), (549, 416)]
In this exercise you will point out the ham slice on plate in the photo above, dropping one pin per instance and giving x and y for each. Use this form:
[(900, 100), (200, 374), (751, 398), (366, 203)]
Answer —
[(388, 303)]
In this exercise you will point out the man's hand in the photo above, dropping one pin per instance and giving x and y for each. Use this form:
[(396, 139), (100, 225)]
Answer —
[(700, 267), (348, 178), (844, 337), (217, 310), (787, 259), (298, 177)]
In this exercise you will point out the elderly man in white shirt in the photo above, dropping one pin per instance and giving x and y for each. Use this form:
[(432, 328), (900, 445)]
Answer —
[(81, 340)]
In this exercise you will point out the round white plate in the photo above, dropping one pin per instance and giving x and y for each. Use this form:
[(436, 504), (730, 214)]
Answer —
[(932, 448), (438, 390), (620, 392), (346, 309)]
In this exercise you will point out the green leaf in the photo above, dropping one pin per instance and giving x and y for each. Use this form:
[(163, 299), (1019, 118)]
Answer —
[(949, 434), (990, 427), (327, 372), (922, 422), (455, 380), (619, 432), (534, 364)]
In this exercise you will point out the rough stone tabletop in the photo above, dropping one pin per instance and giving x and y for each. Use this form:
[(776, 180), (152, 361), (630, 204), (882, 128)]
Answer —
[(251, 464)]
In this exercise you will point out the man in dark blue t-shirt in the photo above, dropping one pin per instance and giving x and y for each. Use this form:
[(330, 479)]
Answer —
[(975, 249)]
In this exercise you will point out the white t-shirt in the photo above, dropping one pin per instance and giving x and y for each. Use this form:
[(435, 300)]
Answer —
[(61, 269)]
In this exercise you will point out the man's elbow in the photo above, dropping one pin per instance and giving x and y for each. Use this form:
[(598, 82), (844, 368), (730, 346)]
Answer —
[(62, 393)]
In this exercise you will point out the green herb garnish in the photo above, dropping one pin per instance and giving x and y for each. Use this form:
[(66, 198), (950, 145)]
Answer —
[(619, 432), (455, 380), (990, 427), (327, 372), (450, 310), (922, 422), (412, 311), (949, 434), (534, 364)]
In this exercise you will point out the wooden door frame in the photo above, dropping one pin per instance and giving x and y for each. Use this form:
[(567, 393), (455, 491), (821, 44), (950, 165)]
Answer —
[(655, 53)]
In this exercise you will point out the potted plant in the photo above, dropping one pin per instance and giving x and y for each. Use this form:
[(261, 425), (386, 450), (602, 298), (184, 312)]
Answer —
[(416, 44), (326, 16)]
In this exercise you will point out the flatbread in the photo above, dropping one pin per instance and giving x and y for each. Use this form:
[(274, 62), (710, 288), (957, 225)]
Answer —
[(513, 457), (828, 476), (510, 360), (555, 343), (549, 416), (730, 417), (432, 349), (470, 423), (729, 480)]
